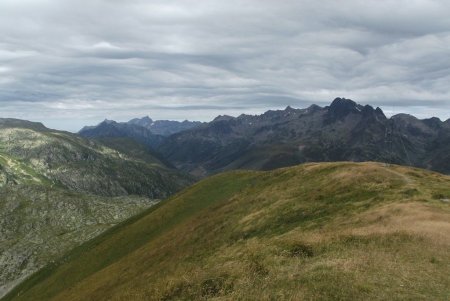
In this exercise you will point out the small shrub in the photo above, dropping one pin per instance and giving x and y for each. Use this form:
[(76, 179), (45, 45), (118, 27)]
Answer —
[(410, 192), (301, 250), (256, 267), (438, 196), (214, 287), (179, 291)]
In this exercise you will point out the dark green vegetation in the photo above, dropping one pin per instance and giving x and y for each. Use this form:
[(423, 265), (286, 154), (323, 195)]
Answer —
[(328, 231), (58, 190), (343, 131)]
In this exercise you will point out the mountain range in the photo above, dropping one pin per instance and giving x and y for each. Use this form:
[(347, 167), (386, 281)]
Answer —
[(342, 131), (144, 130)]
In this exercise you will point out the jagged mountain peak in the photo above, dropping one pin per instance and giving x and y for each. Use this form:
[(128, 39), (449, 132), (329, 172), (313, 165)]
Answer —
[(145, 121), (379, 111), (433, 122), (343, 102), (313, 107), (108, 121), (342, 107), (223, 118)]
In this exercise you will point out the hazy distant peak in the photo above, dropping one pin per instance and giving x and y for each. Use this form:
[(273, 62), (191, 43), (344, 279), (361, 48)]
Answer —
[(108, 121), (223, 118)]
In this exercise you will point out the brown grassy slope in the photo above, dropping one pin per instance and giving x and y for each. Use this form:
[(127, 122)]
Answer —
[(315, 231)]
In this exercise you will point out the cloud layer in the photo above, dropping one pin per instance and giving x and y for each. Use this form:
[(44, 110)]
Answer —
[(69, 63)]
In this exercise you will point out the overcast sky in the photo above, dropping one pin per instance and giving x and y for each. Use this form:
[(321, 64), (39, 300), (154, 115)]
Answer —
[(71, 63)]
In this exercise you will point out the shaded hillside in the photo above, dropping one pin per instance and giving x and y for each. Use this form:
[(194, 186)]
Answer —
[(343, 131), (326, 231), (83, 165)]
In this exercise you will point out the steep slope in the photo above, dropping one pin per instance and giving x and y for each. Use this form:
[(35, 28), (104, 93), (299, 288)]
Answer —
[(86, 166), (38, 224), (53, 193), (342, 131), (322, 231), (40, 221), (133, 149)]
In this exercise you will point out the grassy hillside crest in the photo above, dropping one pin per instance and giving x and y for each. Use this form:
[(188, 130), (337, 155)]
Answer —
[(314, 231)]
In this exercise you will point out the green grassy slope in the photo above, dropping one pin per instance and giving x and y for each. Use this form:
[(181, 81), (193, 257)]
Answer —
[(315, 231)]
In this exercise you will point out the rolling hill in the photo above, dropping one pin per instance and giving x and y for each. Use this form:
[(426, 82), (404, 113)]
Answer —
[(322, 231), (58, 190)]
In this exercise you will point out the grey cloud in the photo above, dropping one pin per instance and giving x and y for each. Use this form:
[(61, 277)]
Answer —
[(69, 64)]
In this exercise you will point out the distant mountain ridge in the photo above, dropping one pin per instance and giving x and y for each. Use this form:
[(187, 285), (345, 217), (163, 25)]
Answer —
[(164, 127), (145, 130), (113, 129), (342, 131)]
